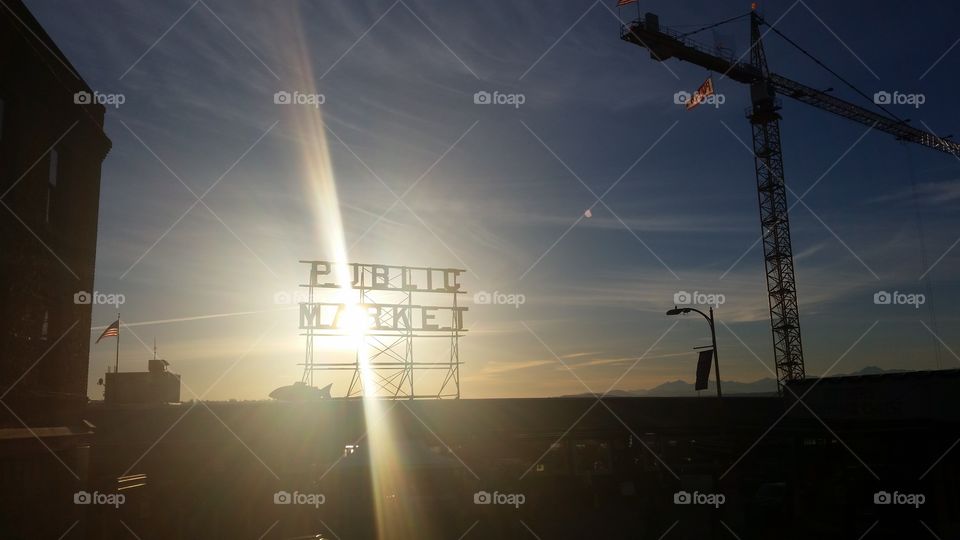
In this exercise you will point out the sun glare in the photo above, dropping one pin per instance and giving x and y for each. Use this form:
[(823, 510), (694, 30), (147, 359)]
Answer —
[(355, 320), (394, 518)]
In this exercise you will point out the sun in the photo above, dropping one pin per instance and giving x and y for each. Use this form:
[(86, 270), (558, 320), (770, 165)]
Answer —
[(355, 320)]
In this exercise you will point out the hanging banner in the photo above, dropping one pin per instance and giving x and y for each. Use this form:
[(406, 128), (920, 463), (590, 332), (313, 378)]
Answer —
[(703, 369)]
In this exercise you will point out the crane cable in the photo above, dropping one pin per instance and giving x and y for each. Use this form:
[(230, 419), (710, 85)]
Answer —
[(714, 25), (928, 283), (832, 72), (913, 184)]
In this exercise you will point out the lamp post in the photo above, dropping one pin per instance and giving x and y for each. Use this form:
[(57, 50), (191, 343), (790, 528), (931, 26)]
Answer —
[(713, 337)]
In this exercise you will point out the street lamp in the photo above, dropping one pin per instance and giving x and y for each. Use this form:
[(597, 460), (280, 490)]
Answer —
[(713, 337)]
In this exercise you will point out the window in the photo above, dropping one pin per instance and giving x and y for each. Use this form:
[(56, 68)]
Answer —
[(45, 328), (52, 179), (54, 166)]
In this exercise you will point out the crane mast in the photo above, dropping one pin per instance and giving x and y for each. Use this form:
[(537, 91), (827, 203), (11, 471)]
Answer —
[(763, 114), (764, 119)]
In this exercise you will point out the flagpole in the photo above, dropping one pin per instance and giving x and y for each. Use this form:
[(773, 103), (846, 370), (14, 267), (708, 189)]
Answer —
[(116, 368)]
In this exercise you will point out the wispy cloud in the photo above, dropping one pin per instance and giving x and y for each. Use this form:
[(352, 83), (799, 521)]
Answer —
[(498, 201)]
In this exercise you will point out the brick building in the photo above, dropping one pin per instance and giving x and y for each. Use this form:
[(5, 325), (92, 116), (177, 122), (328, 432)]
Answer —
[(52, 145)]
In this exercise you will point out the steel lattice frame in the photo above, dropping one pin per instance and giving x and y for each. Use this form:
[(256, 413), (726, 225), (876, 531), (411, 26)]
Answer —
[(775, 221), (664, 43), (389, 357)]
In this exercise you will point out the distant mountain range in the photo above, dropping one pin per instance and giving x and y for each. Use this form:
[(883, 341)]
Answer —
[(765, 386)]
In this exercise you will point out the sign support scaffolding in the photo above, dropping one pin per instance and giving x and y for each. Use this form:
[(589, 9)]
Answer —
[(385, 365)]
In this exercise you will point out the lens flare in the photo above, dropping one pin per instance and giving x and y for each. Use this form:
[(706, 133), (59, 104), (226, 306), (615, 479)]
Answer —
[(396, 513), (355, 321)]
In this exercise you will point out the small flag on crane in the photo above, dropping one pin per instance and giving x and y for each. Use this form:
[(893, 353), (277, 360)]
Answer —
[(621, 3), (702, 93), (112, 331)]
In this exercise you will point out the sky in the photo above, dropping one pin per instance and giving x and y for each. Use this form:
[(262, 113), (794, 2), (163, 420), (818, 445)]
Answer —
[(501, 189)]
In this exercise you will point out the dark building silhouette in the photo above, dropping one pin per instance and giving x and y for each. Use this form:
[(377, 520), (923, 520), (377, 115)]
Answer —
[(585, 470), (52, 145), (156, 385)]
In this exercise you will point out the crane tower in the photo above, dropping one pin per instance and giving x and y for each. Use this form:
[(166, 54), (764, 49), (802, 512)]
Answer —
[(764, 116)]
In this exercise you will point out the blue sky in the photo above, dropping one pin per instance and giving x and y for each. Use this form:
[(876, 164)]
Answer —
[(506, 187)]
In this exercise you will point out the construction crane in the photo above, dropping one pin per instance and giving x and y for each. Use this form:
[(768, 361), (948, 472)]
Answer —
[(664, 43)]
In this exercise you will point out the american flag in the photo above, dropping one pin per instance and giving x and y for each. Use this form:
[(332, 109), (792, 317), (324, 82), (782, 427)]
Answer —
[(112, 331), (621, 3)]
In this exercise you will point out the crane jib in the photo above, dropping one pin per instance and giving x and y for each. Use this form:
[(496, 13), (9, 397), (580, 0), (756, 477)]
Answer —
[(664, 44)]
